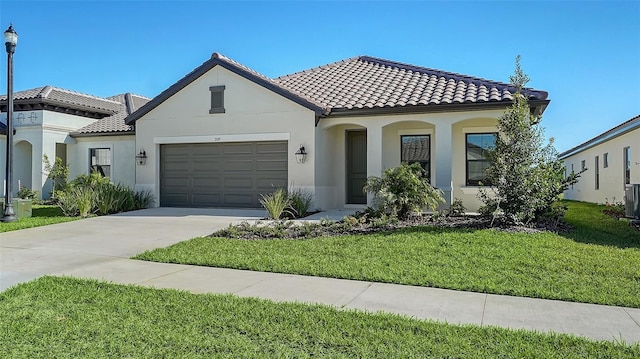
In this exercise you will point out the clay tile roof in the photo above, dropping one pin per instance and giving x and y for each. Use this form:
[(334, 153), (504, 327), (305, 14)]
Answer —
[(114, 124), (361, 83), (385, 83), (65, 98)]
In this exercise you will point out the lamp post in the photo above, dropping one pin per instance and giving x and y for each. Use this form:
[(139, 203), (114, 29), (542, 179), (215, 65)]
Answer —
[(10, 41)]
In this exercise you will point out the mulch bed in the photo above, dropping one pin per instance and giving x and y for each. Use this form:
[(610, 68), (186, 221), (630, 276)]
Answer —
[(292, 230)]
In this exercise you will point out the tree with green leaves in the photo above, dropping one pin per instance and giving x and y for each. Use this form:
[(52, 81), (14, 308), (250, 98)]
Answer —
[(525, 175), (58, 173)]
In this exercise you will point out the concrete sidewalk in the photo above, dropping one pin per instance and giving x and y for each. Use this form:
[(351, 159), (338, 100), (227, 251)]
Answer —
[(100, 248), (598, 322)]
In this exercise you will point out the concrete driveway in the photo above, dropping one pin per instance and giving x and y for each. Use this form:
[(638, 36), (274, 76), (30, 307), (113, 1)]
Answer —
[(30, 253)]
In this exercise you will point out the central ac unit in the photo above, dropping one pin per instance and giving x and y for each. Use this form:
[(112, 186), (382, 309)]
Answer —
[(632, 201)]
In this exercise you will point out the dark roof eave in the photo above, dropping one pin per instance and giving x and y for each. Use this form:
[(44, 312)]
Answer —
[(538, 106), (204, 68), (47, 104), (100, 134)]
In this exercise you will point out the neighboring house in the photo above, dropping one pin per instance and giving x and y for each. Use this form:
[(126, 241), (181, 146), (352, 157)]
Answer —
[(612, 160), (86, 132), (224, 134)]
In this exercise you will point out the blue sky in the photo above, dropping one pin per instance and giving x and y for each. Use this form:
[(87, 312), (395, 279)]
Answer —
[(586, 54)]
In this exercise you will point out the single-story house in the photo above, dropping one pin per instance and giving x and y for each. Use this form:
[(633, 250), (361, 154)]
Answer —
[(611, 160), (224, 134)]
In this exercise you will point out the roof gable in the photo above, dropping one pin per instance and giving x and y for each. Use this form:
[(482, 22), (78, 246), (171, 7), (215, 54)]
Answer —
[(241, 70)]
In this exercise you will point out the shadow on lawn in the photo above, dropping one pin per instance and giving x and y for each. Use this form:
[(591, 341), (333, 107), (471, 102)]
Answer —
[(592, 226), (603, 235), (46, 211)]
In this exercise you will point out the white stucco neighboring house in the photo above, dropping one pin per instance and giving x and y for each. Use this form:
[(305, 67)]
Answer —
[(87, 132), (224, 134), (612, 160)]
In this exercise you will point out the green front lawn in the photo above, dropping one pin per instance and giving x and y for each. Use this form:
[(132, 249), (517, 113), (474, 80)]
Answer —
[(598, 263), (64, 317), (42, 215)]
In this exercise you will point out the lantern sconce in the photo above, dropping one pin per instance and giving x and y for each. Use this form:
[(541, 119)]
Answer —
[(141, 158), (301, 155)]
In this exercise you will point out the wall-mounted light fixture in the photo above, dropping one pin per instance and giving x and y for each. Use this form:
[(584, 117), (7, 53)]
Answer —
[(141, 158), (301, 155)]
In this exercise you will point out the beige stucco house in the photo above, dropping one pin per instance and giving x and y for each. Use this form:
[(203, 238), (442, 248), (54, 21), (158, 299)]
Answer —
[(612, 162), (224, 133)]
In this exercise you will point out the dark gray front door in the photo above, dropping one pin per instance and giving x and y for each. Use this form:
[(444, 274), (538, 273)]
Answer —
[(221, 174), (356, 166)]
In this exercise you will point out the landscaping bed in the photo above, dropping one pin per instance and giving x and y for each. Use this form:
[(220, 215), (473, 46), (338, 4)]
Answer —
[(66, 317)]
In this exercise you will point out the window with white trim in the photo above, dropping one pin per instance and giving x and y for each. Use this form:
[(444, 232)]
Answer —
[(478, 146), (100, 161), (417, 149), (626, 153), (597, 172)]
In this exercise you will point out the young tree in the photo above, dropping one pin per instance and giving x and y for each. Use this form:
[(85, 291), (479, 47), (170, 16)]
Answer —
[(58, 173), (525, 174)]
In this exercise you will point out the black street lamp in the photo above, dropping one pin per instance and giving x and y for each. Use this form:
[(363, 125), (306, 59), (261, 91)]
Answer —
[(10, 41)]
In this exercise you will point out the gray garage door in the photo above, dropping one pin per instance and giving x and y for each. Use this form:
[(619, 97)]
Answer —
[(221, 174)]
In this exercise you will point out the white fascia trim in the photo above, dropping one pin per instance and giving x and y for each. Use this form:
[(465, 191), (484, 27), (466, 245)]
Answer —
[(245, 137), (619, 132), (423, 131), (483, 129)]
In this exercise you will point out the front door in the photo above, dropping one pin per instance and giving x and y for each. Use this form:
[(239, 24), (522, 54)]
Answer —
[(356, 166)]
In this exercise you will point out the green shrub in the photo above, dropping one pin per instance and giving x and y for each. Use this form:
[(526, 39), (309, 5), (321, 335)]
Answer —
[(67, 202), (300, 201), (276, 204), (27, 193), (94, 194), (85, 200), (142, 199), (403, 190), (457, 208)]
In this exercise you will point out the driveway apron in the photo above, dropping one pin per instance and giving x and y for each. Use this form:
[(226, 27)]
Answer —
[(30, 253)]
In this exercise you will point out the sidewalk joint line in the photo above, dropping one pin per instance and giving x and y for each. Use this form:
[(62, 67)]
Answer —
[(632, 318), (484, 307), (164, 275), (357, 295)]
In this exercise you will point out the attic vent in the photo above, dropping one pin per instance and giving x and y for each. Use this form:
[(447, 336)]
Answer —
[(217, 99)]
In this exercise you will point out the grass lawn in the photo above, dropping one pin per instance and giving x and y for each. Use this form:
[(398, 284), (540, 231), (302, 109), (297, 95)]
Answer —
[(65, 317), (42, 215), (597, 263)]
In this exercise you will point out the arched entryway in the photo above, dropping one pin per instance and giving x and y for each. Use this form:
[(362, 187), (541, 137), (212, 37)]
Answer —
[(22, 165)]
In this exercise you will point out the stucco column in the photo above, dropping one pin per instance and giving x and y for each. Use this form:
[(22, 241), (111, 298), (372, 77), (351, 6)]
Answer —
[(374, 154), (443, 157)]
